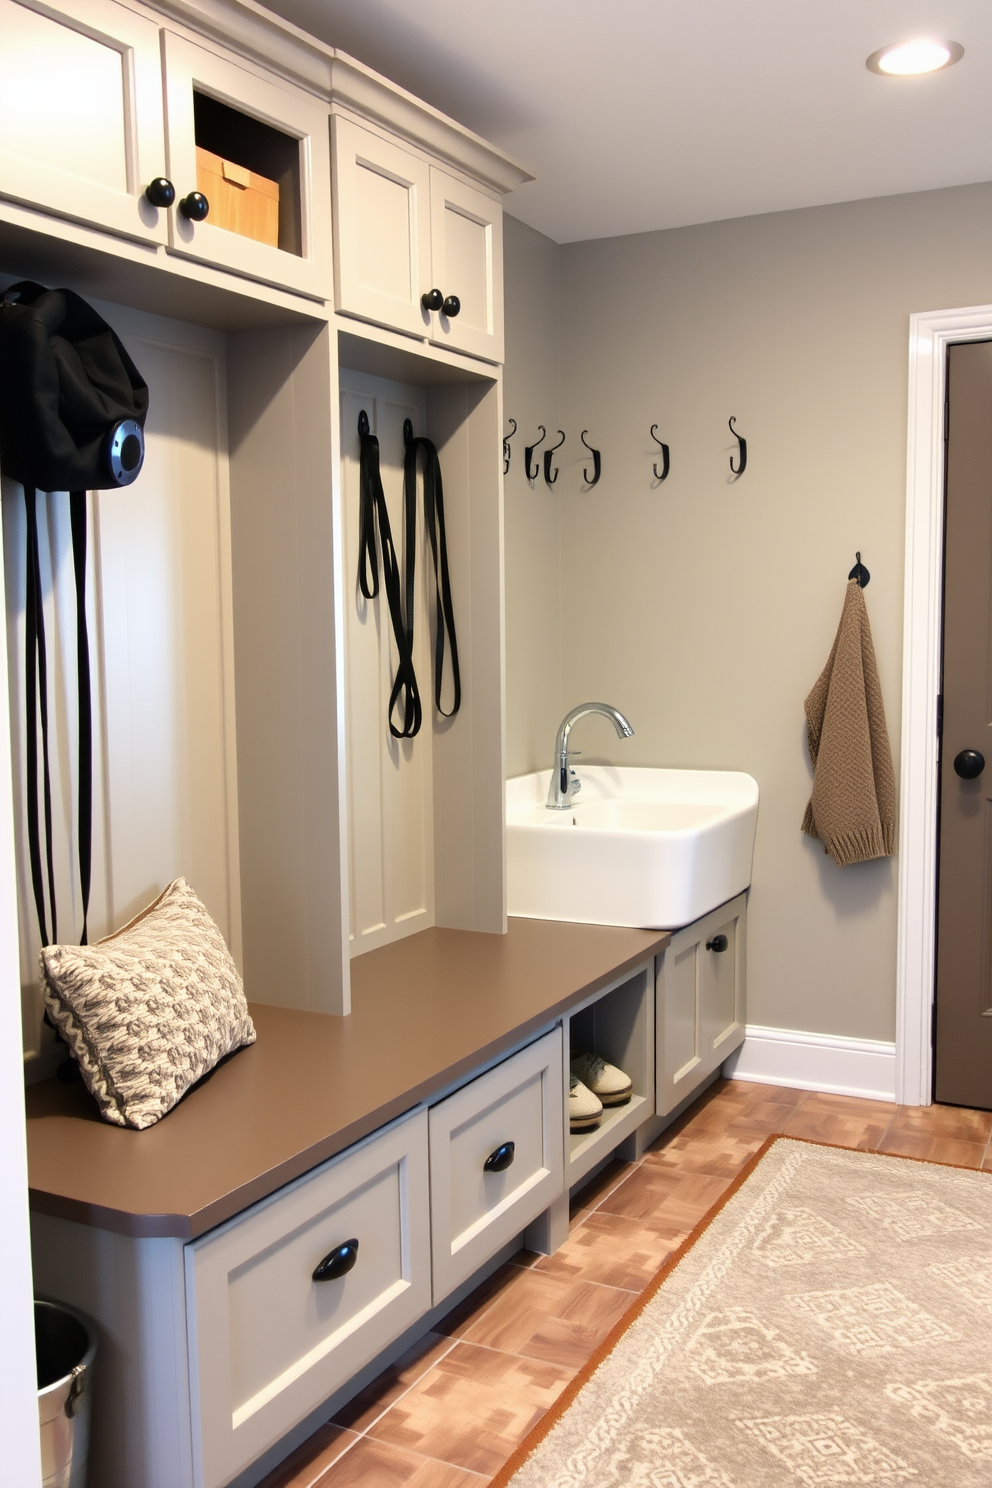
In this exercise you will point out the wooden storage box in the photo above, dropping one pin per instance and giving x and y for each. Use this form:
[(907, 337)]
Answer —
[(240, 200)]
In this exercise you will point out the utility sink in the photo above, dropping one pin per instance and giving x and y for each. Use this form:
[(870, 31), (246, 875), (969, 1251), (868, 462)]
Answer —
[(643, 847)]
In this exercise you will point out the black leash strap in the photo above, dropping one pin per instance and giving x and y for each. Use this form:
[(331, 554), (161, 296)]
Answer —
[(444, 615), (77, 513), (373, 514), (36, 698)]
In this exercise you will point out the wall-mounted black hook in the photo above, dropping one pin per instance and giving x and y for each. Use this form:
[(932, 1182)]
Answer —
[(547, 459), (597, 463), (506, 446), (859, 572), (666, 463), (742, 443), (529, 450)]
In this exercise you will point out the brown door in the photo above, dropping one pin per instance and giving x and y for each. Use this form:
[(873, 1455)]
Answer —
[(964, 914)]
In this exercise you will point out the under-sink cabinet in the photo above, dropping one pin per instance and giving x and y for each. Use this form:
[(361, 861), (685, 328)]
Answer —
[(406, 230), (700, 997)]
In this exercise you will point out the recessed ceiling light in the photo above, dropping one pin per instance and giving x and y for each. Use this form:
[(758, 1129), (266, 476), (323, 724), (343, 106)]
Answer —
[(910, 58)]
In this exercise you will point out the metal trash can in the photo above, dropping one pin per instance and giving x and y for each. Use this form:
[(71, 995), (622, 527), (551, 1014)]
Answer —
[(65, 1344)]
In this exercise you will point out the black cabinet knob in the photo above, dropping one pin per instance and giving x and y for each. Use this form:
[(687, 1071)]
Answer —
[(451, 306), (337, 1262), (969, 764), (160, 192), (432, 300), (500, 1160), (718, 943), (195, 206)]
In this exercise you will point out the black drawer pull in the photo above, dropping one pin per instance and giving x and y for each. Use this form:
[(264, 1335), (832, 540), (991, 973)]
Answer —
[(337, 1262), (500, 1160), (718, 943)]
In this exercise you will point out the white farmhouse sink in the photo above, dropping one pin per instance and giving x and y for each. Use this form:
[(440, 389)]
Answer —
[(653, 848)]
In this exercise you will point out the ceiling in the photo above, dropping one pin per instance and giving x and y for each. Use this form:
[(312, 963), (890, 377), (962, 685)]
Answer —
[(643, 114)]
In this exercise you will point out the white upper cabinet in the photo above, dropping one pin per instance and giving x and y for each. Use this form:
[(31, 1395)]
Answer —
[(260, 127), (467, 263), (382, 242), (406, 230), (81, 128)]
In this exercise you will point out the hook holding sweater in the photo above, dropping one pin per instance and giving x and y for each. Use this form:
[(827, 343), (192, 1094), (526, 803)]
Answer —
[(859, 572)]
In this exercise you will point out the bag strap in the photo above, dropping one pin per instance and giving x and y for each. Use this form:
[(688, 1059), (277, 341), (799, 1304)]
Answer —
[(373, 514), (77, 515), (444, 615), (36, 699)]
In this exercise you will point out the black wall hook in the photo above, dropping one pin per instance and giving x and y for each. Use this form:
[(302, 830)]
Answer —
[(529, 450), (859, 572), (742, 442), (547, 459), (666, 463), (597, 463), (506, 446)]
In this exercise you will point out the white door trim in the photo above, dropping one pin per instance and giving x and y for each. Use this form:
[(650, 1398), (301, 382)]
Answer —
[(930, 334)]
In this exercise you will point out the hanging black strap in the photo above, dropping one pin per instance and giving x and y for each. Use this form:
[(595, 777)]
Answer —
[(444, 615), (36, 699), (373, 514), (77, 512)]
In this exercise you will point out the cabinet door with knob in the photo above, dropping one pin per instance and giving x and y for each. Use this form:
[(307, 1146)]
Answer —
[(81, 125), (382, 230), (497, 1159), (700, 1009), (290, 1299), (467, 267), (249, 159)]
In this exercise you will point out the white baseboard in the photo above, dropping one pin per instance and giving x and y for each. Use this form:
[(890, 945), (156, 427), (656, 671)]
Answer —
[(815, 1061)]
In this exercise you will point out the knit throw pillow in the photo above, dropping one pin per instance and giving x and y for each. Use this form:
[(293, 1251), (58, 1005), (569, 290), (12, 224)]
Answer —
[(150, 1009)]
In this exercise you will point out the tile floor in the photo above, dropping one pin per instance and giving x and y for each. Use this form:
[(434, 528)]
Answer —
[(450, 1412)]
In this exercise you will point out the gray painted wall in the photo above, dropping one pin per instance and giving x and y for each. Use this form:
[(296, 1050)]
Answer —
[(705, 608)]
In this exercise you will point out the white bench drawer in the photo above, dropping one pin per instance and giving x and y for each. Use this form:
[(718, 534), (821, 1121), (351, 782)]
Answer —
[(267, 1342), (474, 1212)]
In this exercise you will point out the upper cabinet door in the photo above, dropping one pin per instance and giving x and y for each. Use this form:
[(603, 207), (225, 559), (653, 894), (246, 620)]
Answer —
[(81, 113), (382, 258), (467, 259), (229, 132)]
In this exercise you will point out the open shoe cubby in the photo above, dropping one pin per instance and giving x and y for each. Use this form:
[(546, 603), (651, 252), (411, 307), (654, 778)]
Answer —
[(617, 1024)]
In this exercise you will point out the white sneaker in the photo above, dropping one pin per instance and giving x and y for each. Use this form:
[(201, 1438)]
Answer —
[(584, 1108), (607, 1083)]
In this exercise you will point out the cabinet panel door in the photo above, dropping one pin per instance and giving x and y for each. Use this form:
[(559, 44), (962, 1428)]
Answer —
[(303, 261), (267, 1342), (81, 129), (474, 1212), (467, 258), (700, 1012), (382, 248)]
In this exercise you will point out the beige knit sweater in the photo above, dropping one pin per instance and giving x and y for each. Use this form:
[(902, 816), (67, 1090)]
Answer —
[(853, 806)]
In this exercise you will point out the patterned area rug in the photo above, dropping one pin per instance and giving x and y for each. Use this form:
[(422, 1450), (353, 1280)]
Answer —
[(829, 1323)]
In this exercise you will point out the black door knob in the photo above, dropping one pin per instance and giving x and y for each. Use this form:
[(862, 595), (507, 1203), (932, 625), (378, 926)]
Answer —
[(432, 300), (160, 192), (718, 943), (969, 764), (500, 1160), (337, 1262), (195, 206), (451, 306)]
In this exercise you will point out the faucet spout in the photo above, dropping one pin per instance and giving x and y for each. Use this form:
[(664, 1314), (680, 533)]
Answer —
[(564, 786)]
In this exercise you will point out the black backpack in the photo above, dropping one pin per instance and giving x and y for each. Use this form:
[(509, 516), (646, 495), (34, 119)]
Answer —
[(72, 414)]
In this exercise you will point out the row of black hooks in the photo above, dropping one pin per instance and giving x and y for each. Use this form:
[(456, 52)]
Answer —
[(597, 461)]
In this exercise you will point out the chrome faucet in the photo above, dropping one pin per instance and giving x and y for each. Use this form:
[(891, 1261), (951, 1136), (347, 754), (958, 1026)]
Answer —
[(564, 786)]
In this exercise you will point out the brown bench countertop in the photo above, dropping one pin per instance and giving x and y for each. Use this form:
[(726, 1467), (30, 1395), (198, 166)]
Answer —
[(426, 1011)]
